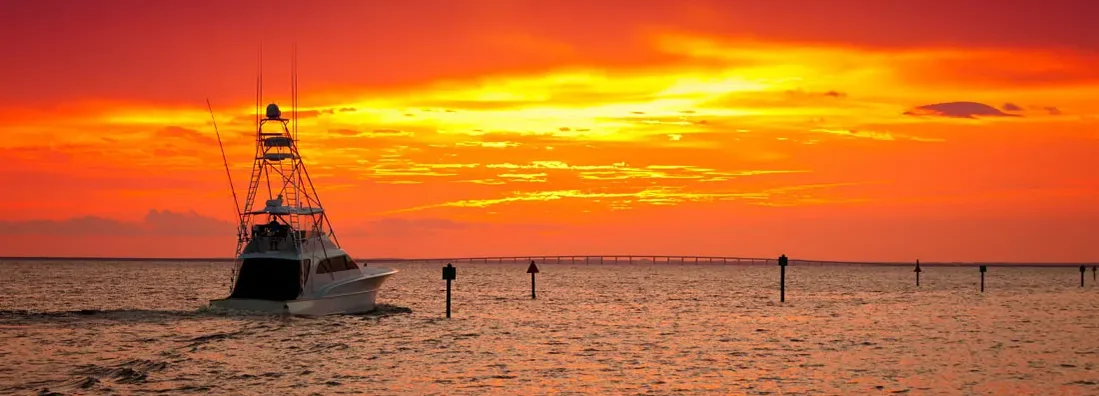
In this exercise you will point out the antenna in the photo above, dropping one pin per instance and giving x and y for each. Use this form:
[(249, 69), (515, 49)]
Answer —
[(294, 87), (236, 204), (259, 83), (259, 62)]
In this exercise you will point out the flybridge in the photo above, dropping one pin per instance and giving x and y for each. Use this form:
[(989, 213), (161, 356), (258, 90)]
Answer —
[(277, 141)]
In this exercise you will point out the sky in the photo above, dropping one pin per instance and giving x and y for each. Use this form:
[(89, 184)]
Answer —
[(841, 130)]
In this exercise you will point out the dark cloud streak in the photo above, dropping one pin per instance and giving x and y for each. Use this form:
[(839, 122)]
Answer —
[(157, 223), (957, 110)]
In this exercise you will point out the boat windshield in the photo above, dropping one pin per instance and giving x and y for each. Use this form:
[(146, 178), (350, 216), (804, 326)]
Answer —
[(272, 229)]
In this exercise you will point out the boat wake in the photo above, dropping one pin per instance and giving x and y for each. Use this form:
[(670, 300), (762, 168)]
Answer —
[(383, 311), (94, 377), (120, 315), (163, 362)]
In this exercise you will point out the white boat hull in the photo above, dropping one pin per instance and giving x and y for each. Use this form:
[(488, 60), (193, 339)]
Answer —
[(353, 296)]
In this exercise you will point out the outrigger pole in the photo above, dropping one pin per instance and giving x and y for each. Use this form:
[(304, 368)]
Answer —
[(236, 204)]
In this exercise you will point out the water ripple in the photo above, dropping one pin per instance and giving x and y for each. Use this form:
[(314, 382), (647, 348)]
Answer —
[(600, 329)]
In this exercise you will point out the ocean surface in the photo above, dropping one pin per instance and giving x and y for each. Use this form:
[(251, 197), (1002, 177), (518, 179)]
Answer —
[(72, 327)]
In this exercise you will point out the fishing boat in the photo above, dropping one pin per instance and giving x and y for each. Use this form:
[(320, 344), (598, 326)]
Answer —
[(288, 259)]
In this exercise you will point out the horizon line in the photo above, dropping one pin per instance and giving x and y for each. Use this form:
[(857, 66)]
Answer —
[(745, 260)]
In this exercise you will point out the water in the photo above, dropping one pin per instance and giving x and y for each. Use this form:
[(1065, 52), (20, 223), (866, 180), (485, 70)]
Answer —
[(140, 327)]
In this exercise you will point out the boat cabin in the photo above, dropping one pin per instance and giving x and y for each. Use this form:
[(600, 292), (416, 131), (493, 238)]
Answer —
[(285, 275)]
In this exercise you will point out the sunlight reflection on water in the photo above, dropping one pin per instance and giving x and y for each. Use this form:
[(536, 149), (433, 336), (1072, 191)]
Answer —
[(110, 327)]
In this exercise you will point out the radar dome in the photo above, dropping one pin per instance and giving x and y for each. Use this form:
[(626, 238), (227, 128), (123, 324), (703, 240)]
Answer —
[(273, 112)]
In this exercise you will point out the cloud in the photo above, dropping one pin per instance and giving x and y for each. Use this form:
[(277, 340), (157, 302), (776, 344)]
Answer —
[(523, 177), (394, 227), (874, 135), (404, 168), (801, 93), (409, 169), (657, 196), (289, 114), (158, 223), (972, 110), (957, 110), (176, 132), (376, 133), (308, 113), (623, 171), (488, 144), (402, 228)]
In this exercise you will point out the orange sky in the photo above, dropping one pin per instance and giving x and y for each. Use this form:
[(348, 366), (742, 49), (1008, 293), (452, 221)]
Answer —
[(846, 130)]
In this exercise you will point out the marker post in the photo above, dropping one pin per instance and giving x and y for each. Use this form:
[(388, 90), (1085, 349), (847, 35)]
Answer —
[(533, 269), (917, 271), (449, 274), (983, 269), (782, 261)]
